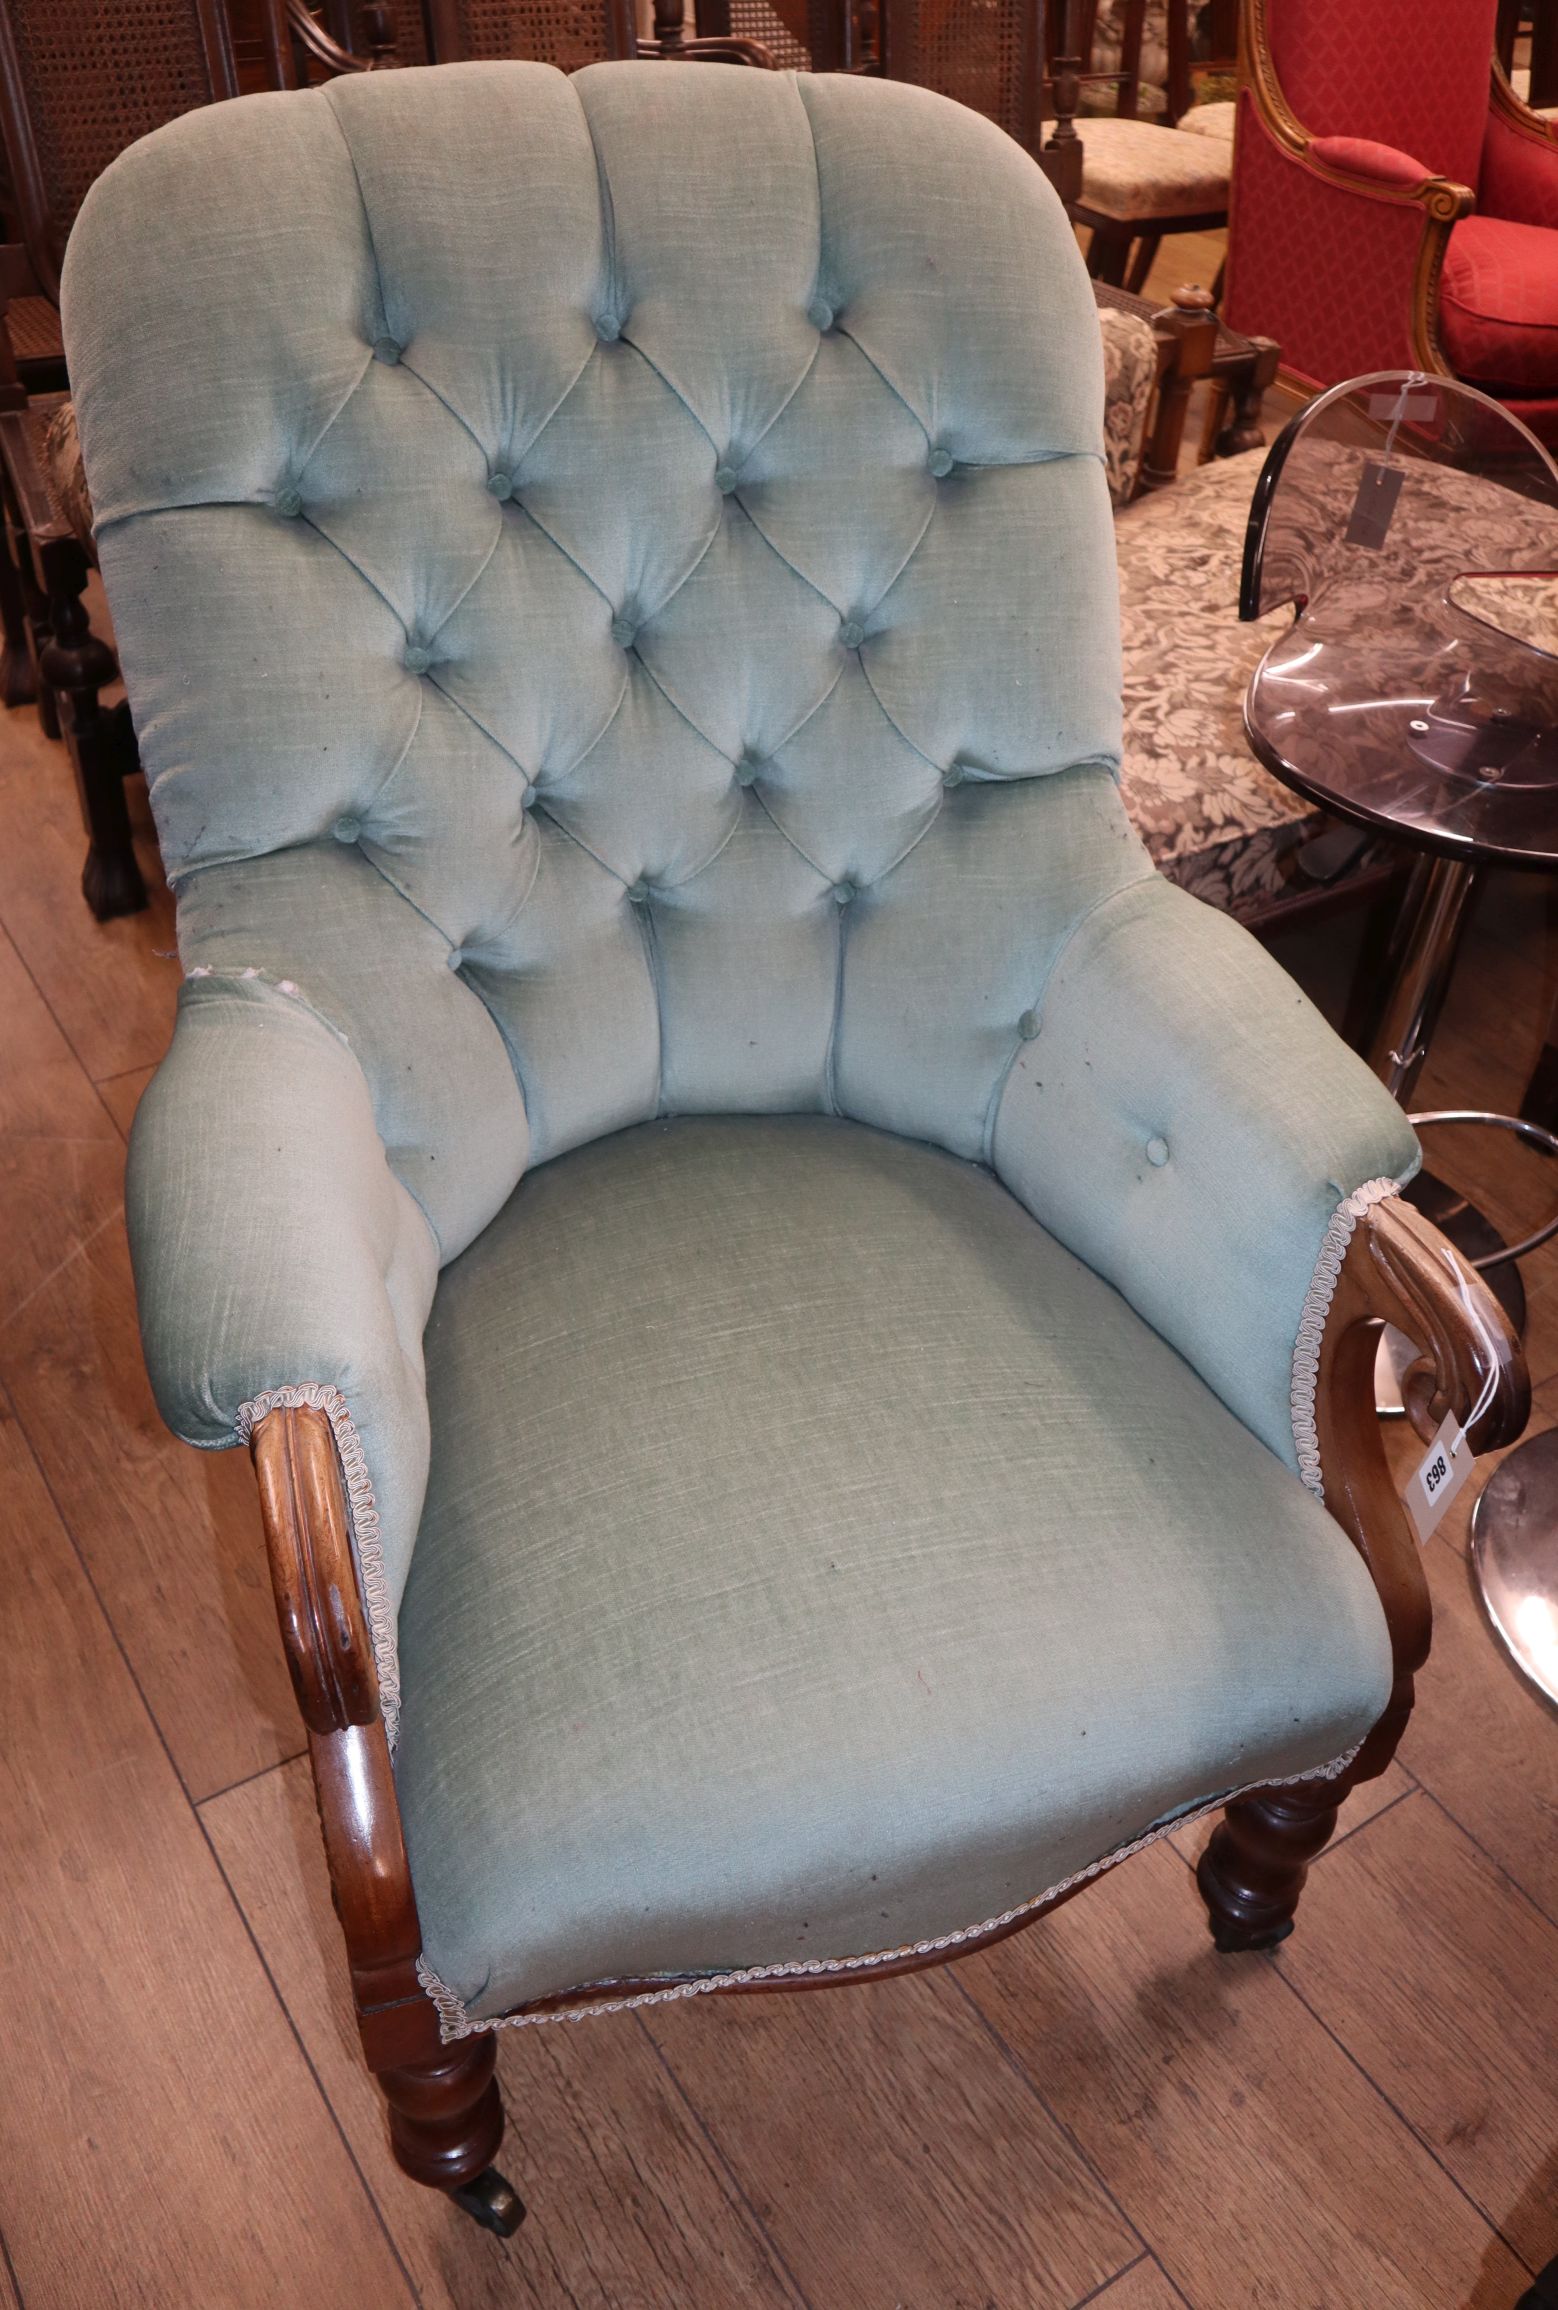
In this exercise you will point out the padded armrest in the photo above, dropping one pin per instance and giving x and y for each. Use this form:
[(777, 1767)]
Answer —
[(273, 1246), (1185, 1121), (1360, 156)]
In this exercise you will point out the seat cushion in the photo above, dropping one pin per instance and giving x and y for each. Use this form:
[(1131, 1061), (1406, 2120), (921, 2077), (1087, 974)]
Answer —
[(1215, 119), (818, 1558), (1131, 169), (1498, 304)]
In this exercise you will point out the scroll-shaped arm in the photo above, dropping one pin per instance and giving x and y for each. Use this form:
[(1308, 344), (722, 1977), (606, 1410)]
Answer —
[(324, 1632), (1402, 1271)]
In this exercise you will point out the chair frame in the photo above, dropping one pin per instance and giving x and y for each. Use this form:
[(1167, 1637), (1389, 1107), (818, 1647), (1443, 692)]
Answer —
[(1111, 238), (445, 2112), (1441, 201)]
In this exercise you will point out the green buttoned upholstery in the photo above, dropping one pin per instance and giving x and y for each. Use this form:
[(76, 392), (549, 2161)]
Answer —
[(620, 620)]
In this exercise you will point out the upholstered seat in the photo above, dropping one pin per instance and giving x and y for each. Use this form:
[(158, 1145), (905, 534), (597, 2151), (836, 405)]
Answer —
[(759, 1445), (1135, 169), (1498, 305)]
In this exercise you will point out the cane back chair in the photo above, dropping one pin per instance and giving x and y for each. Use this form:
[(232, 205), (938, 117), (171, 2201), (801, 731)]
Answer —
[(567, 33), (802, 1317)]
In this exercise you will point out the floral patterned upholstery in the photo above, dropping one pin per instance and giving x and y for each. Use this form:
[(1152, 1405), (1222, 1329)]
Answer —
[(1135, 169), (1130, 373), (1213, 819)]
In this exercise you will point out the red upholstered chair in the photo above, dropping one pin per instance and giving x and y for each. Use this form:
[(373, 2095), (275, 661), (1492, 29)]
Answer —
[(1394, 203)]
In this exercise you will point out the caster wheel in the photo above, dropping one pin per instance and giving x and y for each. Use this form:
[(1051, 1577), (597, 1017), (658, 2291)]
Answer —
[(493, 2202), (1238, 1941)]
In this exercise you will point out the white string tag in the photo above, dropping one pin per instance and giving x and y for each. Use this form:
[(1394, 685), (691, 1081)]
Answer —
[(1438, 1476)]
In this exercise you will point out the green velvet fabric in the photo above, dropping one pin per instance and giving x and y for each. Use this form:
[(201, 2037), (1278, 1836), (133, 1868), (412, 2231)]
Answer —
[(818, 1557)]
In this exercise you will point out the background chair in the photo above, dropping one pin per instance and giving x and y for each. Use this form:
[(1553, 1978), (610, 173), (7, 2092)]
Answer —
[(1353, 238), (1142, 177), (802, 1316)]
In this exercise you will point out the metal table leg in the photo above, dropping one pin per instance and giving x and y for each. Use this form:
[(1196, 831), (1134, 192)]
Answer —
[(1514, 1526)]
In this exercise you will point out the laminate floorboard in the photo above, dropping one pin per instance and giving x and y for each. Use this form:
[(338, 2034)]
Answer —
[(628, 2205), (162, 2140)]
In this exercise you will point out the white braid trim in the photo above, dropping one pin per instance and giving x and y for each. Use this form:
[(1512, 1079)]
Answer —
[(454, 2020), (1311, 1324), (363, 1512)]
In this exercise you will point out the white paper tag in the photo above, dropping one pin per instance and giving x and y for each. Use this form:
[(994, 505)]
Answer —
[(1438, 1476)]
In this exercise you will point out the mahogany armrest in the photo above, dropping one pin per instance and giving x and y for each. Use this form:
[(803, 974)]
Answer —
[(1400, 1270), (324, 1629), (325, 1634)]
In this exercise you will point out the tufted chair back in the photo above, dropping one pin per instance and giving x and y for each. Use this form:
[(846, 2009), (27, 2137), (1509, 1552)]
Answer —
[(620, 614)]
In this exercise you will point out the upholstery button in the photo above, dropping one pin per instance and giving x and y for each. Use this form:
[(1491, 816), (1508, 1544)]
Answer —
[(941, 463), (1157, 1152), (624, 632), (1028, 1025), (852, 633), (500, 486), (746, 771), (608, 328), (347, 829), (532, 797), (638, 892), (289, 502), (456, 958), (386, 350), (725, 479), (952, 775), (417, 658), (843, 892), (820, 314)]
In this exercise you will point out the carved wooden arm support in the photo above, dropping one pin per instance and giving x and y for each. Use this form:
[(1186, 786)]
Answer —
[(324, 1632), (1441, 202), (1402, 1271)]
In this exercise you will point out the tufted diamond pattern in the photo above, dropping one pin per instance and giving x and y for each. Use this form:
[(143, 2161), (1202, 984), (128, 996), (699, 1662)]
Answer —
[(635, 605), (621, 621)]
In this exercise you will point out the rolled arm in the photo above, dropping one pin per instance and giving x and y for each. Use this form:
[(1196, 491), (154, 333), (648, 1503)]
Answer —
[(275, 1251), (1185, 1121)]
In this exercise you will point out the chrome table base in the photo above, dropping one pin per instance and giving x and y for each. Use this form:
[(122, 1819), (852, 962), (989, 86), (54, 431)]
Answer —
[(1515, 1522)]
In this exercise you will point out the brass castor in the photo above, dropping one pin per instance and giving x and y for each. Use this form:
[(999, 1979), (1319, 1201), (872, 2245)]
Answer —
[(493, 2202)]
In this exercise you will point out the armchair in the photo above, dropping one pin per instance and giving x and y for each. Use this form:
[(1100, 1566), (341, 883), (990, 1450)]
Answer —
[(801, 1315), (1385, 217)]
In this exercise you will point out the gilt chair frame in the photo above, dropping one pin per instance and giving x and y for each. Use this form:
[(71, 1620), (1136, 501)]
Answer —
[(1442, 201), (445, 2112)]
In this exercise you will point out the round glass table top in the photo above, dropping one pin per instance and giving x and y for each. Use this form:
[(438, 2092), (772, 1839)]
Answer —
[(1412, 524)]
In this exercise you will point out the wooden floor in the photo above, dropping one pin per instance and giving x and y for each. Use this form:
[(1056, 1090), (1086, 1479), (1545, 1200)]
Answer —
[(1099, 2111)]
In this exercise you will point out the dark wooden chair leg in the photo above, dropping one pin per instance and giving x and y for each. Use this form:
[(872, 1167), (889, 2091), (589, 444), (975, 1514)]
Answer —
[(76, 664), (18, 674), (446, 2121), (1254, 1866), (1141, 265), (1253, 1870), (35, 619), (1107, 252)]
